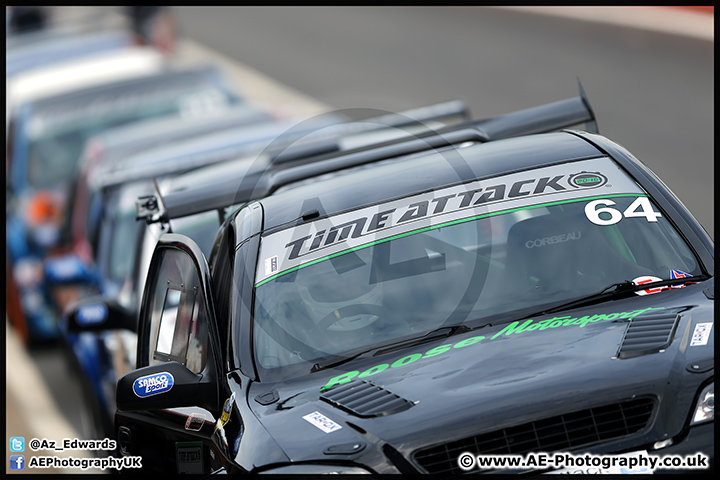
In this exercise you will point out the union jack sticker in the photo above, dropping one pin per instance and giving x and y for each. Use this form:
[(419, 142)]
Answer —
[(678, 274)]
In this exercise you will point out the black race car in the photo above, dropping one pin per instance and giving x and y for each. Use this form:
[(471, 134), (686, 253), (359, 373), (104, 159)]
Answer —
[(496, 287)]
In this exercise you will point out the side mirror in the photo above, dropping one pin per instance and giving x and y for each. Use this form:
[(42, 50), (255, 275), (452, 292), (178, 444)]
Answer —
[(68, 269), (166, 385), (98, 313)]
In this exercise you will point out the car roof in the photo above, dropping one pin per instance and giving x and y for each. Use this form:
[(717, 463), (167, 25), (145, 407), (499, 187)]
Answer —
[(203, 150), (43, 54), (313, 164), (423, 173), (168, 75), (176, 125), (113, 93), (334, 138), (83, 73), (43, 36), (116, 145), (302, 132)]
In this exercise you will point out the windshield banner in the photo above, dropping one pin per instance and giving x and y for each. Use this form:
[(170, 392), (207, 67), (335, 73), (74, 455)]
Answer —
[(296, 247)]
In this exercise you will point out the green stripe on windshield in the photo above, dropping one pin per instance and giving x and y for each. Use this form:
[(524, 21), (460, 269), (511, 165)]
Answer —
[(446, 224)]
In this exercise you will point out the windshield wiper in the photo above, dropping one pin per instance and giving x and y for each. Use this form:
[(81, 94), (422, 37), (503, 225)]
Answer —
[(617, 290), (395, 345)]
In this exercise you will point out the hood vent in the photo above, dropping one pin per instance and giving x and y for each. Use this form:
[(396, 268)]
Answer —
[(365, 399), (567, 432), (648, 334)]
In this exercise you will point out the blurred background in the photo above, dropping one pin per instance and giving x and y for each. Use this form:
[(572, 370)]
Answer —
[(651, 88), (648, 73)]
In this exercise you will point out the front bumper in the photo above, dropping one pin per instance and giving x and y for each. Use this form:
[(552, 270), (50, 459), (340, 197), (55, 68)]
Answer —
[(700, 439)]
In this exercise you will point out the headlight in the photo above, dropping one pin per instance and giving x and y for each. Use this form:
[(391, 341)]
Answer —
[(705, 407), (317, 470)]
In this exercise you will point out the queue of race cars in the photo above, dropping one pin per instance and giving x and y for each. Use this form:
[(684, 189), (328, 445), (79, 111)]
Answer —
[(243, 291)]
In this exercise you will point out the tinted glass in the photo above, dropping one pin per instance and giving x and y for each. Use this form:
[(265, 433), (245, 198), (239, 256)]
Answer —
[(374, 276), (57, 135)]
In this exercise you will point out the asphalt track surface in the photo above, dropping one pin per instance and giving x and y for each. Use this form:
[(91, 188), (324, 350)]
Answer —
[(648, 73)]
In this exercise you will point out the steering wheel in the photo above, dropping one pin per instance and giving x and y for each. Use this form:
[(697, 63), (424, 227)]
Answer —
[(350, 311)]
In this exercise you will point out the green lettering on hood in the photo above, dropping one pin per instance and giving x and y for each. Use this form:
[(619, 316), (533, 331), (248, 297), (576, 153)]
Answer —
[(513, 328), (528, 325)]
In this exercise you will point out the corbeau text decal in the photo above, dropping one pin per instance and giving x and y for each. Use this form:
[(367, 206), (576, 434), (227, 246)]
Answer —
[(315, 241), (510, 329), (153, 384), (564, 237)]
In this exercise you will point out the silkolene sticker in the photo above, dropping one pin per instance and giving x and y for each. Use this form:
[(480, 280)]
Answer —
[(588, 180)]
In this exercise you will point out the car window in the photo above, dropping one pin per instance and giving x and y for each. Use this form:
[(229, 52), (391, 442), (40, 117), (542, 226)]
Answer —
[(201, 227), (57, 136), (123, 234), (386, 272), (178, 322), (119, 234), (124, 246)]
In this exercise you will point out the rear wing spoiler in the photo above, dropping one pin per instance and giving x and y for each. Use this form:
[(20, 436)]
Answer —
[(328, 139), (545, 118), (335, 138), (542, 119), (235, 189)]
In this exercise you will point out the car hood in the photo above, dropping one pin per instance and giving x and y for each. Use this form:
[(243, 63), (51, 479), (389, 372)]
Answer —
[(520, 372)]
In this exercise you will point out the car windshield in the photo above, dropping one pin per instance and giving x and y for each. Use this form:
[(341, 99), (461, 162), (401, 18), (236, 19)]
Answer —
[(124, 246), (476, 266), (57, 136), (125, 236)]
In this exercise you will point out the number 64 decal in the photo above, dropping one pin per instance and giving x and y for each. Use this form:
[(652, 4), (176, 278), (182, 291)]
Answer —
[(641, 207)]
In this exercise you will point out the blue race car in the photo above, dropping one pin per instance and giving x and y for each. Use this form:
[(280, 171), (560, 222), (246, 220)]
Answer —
[(46, 138)]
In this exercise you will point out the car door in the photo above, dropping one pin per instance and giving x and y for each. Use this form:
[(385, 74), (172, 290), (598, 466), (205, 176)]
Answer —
[(169, 405)]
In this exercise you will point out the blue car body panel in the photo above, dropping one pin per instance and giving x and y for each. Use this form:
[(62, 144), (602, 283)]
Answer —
[(22, 242)]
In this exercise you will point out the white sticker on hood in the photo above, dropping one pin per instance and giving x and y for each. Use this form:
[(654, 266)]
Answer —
[(271, 265), (648, 279), (322, 422), (701, 334)]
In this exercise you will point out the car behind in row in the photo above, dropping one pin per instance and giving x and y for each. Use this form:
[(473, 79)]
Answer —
[(497, 287)]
